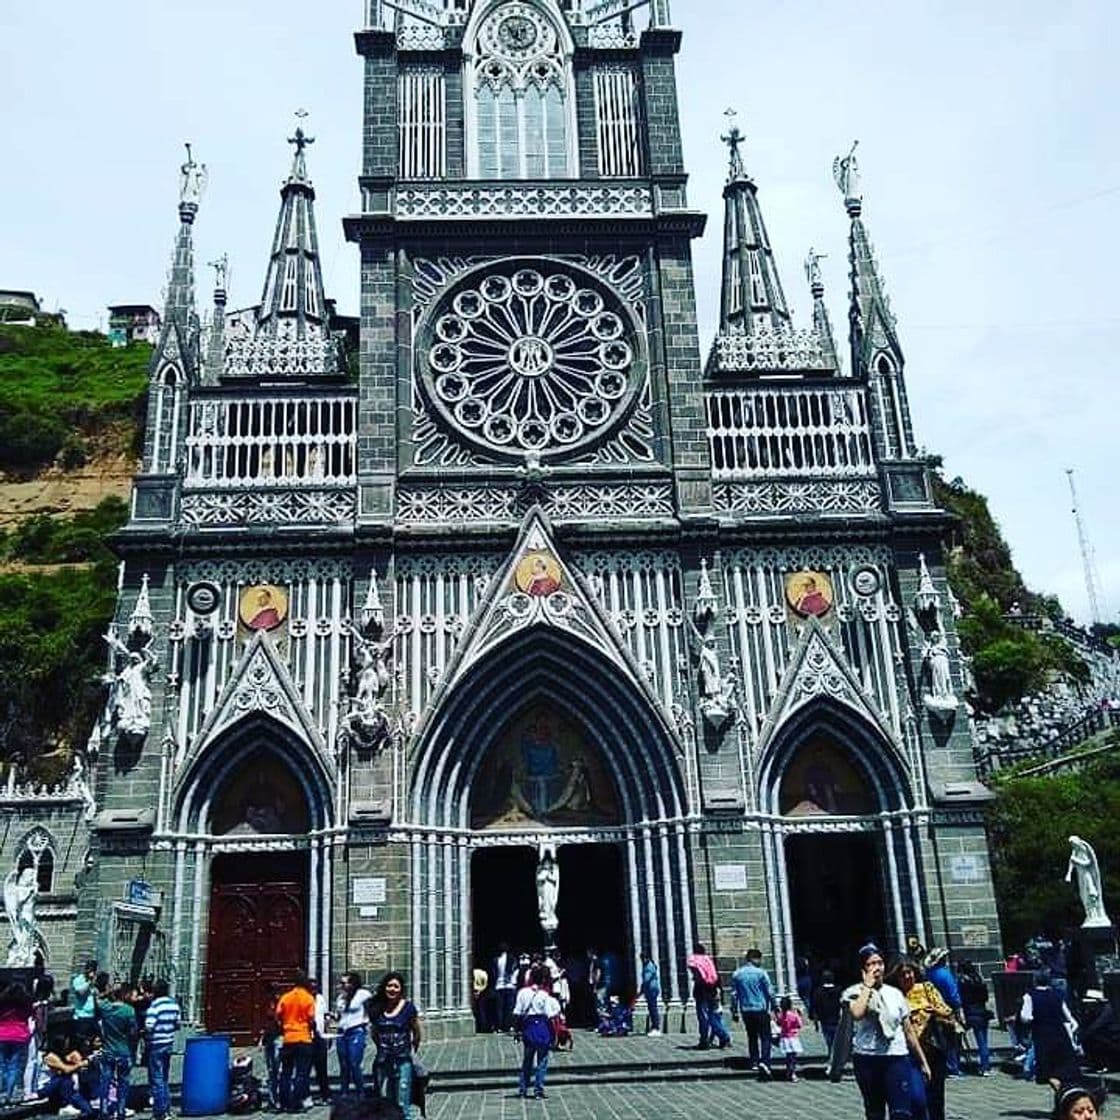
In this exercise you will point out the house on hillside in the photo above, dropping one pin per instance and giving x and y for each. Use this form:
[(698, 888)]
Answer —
[(133, 322)]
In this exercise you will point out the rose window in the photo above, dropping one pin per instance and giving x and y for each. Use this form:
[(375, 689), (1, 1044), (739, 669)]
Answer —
[(540, 358)]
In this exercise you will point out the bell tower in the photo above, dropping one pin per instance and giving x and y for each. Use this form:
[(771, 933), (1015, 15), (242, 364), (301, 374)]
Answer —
[(527, 294)]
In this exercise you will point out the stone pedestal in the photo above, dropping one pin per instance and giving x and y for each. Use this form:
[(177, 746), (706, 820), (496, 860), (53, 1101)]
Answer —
[(1093, 953)]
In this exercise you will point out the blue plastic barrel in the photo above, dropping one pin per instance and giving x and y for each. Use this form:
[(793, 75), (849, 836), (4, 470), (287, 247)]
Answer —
[(206, 1075)]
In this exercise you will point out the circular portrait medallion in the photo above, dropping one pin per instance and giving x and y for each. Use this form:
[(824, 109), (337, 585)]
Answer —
[(263, 607), (538, 575), (809, 594)]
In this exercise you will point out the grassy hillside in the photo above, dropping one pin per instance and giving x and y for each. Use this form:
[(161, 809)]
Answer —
[(66, 396), (1008, 662)]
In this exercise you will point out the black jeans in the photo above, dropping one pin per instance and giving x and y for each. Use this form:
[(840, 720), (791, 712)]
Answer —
[(757, 1026), (295, 1075)]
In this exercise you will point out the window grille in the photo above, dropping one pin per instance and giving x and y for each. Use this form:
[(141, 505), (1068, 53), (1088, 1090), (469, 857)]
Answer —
[(312, 294), (735, 296), (423, 118), (37, 853), (616, 106)]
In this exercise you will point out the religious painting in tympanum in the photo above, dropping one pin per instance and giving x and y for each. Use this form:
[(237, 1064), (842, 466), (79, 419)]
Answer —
[(263, 798), (263, 606), (822, 780), (538, 575), (809, 594), (542, 771)]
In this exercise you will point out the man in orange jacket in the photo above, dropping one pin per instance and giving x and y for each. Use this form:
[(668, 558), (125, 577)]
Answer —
[(295, 1012)]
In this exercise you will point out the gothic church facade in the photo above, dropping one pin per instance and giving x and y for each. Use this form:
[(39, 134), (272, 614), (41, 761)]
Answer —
[(534, 579)]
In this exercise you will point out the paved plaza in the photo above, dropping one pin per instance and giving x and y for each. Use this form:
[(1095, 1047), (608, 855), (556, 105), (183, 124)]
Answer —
[(668, 1079)]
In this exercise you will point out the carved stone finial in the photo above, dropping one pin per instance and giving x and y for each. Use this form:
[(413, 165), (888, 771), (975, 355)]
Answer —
[(704, 609), (927, 599), (301, 141), (373, 613), (845, 170), (141, 622)]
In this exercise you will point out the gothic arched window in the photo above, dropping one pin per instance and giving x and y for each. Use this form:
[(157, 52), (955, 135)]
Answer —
[(37, 852), (520, 74)]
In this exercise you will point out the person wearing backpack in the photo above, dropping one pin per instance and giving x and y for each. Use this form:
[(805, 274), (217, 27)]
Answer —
[(534, 1023)]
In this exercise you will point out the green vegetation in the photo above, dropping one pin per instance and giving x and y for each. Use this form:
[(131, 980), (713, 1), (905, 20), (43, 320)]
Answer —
[(61, 392), (1008, 661), (1029, 826), (80, 539), (50, 656)]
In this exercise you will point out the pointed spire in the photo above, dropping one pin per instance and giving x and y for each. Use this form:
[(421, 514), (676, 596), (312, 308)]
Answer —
[(876, 350), (822, 324), (872, 321), (752, 292), (180, 288), (216, 342), (293, 304), (756, 334), (141, 622)]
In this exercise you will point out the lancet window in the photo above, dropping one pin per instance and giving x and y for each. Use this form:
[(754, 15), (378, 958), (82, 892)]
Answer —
[(522, 100), (423, 119), (616, 105)]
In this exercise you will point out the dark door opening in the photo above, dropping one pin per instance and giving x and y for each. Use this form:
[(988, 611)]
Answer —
[(257, 937), (504, 902), (836, 898)]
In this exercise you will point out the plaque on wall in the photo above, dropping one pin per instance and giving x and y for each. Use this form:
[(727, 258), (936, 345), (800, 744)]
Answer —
[(369, 954), (369, 892), (975, 937), (730, 876)]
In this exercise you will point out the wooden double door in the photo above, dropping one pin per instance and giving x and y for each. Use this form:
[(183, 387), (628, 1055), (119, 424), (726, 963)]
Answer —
[(257, 938)]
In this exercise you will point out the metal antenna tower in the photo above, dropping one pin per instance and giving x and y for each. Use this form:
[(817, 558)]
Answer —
[(1086, 554)]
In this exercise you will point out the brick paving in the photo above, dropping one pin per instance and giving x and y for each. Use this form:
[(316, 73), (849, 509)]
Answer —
[(668, 1079)]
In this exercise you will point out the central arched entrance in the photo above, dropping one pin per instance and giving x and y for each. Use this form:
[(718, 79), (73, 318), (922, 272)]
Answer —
[(547, 744)]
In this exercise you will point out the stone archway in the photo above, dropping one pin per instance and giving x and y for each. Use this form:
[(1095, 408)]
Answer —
[(841, 846)]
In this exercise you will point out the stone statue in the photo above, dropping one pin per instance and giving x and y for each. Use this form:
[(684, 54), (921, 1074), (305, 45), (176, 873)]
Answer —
[(20, 891), (548, 888), (1083, 864), (192, 180), (368, 722), (128, 710), (846, 173), (939, 698), (813, 268), (717, 696)]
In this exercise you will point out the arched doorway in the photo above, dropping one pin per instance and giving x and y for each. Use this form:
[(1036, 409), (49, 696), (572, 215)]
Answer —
[(252, 888), (257, 935), (842, 850), (546, 742), (544, 775)]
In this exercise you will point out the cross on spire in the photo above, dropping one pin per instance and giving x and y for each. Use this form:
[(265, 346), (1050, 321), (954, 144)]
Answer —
[(301, 140), (733, 138)]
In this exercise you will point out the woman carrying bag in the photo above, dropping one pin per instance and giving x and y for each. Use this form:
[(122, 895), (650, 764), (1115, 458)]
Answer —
[(935, 1026)]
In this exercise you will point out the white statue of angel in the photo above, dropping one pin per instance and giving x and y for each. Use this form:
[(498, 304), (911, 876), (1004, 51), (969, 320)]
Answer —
[(20, 891)]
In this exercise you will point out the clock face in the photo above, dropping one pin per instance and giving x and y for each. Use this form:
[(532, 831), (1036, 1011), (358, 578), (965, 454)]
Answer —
[(531, 356), (517, 33)]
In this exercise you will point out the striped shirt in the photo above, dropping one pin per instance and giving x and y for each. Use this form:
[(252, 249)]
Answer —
[(162, 1021)]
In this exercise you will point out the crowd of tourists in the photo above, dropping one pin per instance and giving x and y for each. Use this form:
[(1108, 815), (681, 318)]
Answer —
[(902, 1027)]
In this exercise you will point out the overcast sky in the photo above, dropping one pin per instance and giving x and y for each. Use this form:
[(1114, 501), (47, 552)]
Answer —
[(988, 146)]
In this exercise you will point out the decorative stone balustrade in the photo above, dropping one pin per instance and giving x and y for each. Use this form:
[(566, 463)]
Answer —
[(277, 442), (280, 357), (474, 200), (789, 432), (769, 349)]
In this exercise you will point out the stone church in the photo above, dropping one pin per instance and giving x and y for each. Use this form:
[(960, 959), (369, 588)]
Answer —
[(528, 580)]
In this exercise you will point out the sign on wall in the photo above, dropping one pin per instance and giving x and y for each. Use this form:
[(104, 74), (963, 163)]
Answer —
[(369, 892), (965, 869), (730, 876)]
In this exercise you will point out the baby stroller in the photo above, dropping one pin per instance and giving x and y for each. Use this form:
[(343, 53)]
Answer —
[(244, 1088)]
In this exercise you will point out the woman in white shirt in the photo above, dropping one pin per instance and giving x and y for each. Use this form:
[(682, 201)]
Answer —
[(882, 1039), (353, 1029)]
